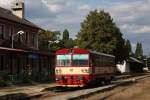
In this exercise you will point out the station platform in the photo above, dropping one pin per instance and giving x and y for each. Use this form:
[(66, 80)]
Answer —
[(15, 91)]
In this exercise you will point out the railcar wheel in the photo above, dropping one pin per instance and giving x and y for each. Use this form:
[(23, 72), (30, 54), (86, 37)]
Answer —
[(102, 81), (107, 81)]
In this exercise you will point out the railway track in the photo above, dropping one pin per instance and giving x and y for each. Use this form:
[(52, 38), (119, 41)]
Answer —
[(59, 93)]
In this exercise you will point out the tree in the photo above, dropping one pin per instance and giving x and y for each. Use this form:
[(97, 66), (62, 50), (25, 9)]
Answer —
[(66, 35), (98, 32), (68, 42), (139, 51), (129, 48), (47, 36)]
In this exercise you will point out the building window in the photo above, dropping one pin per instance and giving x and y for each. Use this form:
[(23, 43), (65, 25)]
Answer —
[(19, 37), (26, 39), (1, 62), (11, 31), (33, 38), (2, 28)]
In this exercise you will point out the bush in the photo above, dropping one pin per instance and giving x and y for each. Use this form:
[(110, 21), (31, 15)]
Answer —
[(26, 79), (3, 83)]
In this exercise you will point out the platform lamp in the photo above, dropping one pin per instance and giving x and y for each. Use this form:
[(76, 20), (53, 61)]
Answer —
[(51, 42), (12, 37)]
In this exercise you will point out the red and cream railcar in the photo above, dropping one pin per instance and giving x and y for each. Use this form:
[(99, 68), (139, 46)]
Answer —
[(78, 67)]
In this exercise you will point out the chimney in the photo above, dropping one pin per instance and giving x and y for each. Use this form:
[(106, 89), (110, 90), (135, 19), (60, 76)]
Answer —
[(18, 8)]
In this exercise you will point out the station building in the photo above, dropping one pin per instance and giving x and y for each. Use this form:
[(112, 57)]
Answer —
[(132, 65), (19, 53)]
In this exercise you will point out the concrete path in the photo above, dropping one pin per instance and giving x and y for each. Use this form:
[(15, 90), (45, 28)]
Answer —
[(29, 90)]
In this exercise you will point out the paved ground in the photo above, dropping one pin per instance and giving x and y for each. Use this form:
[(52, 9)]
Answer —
[(29, 90), (137, 91)]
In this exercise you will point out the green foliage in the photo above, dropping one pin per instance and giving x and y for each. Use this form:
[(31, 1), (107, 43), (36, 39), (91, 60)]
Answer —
[(129, 48), (139, 51), (65, 35), (3, 83), (68, 42), (47, 41), (26, 79), (47, 36), (99, 32)]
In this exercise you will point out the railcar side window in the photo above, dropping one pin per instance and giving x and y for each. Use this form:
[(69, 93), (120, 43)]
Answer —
[(80, 60), (63, 60)]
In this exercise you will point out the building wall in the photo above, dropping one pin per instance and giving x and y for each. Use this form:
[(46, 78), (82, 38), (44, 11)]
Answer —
[(18, 64), (29, 38), (15, 65)]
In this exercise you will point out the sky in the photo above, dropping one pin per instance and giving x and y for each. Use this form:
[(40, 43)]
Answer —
[(131, 16)]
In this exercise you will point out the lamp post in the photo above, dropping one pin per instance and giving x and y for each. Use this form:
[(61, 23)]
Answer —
[(12, 37), (51, 42)]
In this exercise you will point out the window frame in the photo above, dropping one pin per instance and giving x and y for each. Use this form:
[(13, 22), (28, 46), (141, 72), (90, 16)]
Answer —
[(3, 31), (33, 38), (59, 61), (79, 64), (11, 30)]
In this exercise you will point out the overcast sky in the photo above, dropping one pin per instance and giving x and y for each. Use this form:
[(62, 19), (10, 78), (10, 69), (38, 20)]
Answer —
[(131, 16)]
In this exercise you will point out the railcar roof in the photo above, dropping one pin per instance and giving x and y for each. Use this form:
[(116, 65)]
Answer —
[(81, 51), (73, 50)]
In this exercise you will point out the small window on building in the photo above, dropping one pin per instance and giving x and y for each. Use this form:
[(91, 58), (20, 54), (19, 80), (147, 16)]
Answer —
[(2, 28), (33, 38), (19, 38), (11, 31), (1, 62), (26, 39)]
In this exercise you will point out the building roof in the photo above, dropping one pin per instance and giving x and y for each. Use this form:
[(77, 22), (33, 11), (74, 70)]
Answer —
[(103, 54), (5, 49), (135, 60), (11, 49), (7, 14)]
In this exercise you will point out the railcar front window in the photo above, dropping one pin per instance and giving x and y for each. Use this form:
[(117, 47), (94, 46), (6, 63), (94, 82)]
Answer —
[(63, 60), (80, 60)]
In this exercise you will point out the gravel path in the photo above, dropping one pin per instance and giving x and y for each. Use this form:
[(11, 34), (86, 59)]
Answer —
[(137, 91)]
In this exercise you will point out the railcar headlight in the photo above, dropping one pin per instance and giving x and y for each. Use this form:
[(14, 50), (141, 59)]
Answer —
[(82, 70), (87, 71), (58, 71)]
